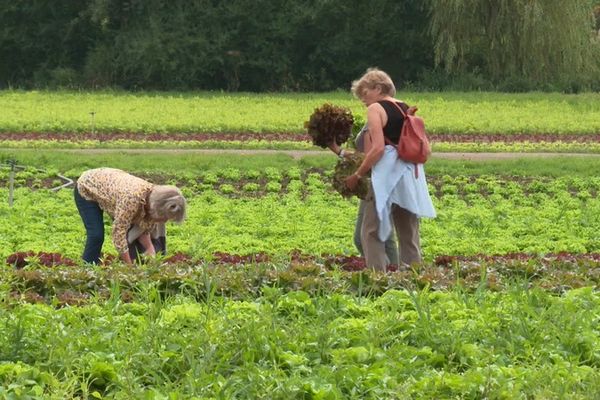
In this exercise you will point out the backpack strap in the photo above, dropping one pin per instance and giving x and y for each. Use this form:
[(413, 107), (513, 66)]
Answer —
[(400, 108), (389, 141)]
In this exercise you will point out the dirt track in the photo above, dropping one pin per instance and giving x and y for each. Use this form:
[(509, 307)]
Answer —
[(302, 153)]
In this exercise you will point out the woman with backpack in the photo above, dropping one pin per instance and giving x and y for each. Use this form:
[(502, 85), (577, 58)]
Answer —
[(398, 189), (390, 245)]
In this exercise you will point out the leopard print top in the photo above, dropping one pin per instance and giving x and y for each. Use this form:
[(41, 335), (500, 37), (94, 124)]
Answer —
[(122, 196)]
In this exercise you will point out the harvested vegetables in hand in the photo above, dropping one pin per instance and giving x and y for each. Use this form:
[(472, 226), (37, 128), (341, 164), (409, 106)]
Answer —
[(329, 124), (343, 169)]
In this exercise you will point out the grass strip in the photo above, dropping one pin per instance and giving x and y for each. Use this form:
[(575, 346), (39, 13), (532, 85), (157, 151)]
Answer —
[(174, 163)]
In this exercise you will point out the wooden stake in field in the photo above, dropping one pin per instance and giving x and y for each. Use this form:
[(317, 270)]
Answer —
[(11, 181), (93, 121)]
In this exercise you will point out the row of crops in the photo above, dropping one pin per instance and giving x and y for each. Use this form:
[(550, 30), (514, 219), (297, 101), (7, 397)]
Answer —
[(484, 214), (152, 113), (262, 294), (476, 144)]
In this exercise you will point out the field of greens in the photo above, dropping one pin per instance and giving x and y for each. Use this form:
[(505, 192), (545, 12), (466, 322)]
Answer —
[(276, 210), (262, 294), (517, 344), (479, 144), (205, 112)]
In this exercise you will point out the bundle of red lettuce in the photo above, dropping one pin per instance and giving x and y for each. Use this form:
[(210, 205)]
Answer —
[(330, 123)]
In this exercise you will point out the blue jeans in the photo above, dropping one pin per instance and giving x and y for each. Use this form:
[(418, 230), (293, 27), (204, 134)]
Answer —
[(93, 220)]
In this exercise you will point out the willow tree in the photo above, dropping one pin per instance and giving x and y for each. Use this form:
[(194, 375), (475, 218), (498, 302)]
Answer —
[(539, 40)]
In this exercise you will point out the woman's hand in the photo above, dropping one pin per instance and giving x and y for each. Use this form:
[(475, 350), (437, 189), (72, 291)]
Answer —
[(146, 241), (352, 181), (333, 146), (342, 153), (125, 258), (150, 252)]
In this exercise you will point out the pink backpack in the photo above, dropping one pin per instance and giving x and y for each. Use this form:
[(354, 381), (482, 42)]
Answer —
[(413, 145)]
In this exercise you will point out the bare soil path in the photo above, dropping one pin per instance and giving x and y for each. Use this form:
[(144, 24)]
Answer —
[(303, 153)]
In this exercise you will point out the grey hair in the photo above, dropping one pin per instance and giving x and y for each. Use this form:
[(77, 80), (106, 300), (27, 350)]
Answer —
[(374, 77), (167, 202)]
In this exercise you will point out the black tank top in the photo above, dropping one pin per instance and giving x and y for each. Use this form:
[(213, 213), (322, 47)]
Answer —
[(392, 128)]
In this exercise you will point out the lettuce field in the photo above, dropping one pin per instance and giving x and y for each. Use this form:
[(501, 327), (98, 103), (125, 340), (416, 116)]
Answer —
[(278, 211), (262, 294), (527, 122)]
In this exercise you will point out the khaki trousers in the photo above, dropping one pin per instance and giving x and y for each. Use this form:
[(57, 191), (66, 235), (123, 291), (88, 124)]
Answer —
[(407, 232), (391, 245)]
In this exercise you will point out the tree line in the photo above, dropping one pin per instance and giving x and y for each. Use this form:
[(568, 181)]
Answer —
[(300, 45)]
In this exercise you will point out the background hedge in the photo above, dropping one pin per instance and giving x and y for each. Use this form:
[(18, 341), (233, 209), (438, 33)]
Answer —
[(290, 45)]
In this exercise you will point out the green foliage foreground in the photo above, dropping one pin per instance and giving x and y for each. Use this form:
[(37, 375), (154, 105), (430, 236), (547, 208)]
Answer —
[(277, 331), (519, 344)]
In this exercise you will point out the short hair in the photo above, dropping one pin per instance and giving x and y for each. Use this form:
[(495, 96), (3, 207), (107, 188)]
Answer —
[(373, 78), (166, 202)]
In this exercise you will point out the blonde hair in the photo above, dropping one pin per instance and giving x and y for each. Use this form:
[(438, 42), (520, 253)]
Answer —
[(166, 202), (373, 78)]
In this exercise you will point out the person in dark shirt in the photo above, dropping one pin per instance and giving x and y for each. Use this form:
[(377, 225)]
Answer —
[(397, 193), (391, 248)]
